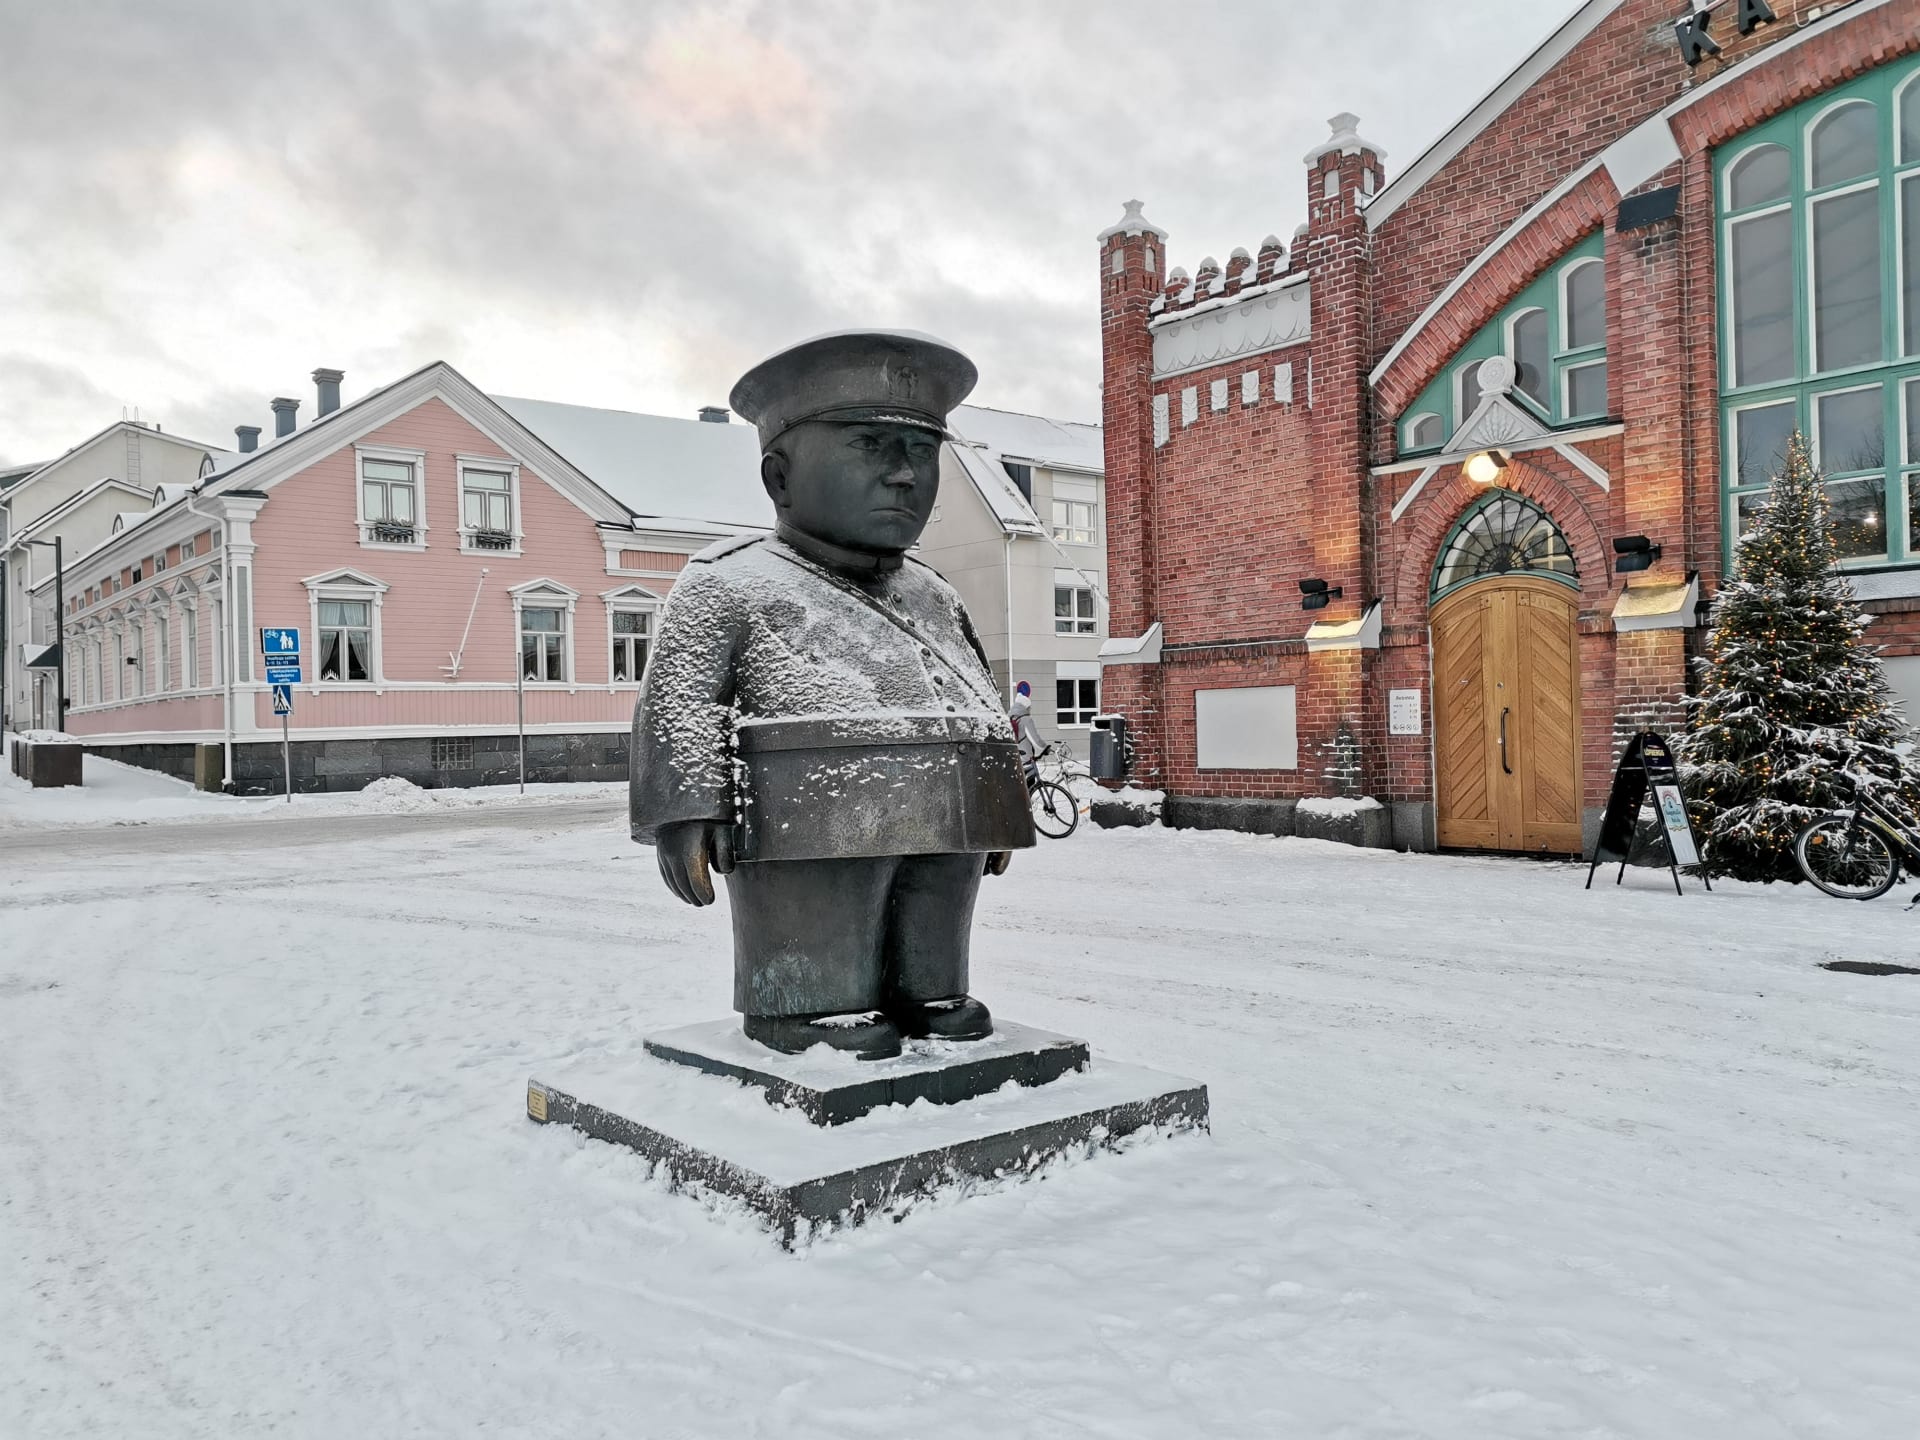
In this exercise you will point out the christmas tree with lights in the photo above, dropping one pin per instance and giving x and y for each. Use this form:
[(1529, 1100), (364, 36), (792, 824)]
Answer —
[(1790, 695)]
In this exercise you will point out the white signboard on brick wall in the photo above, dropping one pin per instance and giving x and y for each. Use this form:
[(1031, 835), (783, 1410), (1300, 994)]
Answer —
[(1403, 712), (1246, 729)]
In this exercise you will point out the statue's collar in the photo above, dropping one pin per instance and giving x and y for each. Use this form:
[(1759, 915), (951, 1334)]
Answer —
[(861, 564)]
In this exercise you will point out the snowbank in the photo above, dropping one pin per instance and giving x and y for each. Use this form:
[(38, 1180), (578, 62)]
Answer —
[(1478, 1170), (116, 794)]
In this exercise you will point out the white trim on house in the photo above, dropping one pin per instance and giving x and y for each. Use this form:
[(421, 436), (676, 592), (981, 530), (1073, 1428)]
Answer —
[(438, 381), (1525, 220)]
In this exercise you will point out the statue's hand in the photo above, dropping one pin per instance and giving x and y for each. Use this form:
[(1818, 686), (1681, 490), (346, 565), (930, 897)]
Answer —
[(998, 861), (690, 852)]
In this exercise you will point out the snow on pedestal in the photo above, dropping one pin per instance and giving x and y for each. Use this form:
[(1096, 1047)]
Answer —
[(818, 1141)]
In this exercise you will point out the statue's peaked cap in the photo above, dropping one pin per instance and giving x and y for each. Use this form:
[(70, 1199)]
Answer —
[(897, 376)]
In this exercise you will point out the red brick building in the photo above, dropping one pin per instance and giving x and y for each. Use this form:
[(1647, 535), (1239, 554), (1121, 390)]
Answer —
[(1621, 280)]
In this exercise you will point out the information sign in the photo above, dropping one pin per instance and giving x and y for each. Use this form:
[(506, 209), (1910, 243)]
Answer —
[(1403, 712), (283, 673), (282, 700), (279, 642), (1647, 762)]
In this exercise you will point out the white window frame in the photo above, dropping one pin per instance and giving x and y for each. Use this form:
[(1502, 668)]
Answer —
[(348, 585), (399, 456), (1567, 412), (517, 527), (1078, 709), (630, 600), (1072, 492), (1413, 423), (1814, 122), (1726, 181), (549, 594), (1460, 389), (1566, 306), (189, 642), (217, 644), (1078, 585), (136, 659), (1545, 406), (163, 648)]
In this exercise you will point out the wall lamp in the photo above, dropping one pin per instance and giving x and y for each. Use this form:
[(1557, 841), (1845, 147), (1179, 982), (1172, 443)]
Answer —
[(1314, 594), (1485, 467), (1633, 553)]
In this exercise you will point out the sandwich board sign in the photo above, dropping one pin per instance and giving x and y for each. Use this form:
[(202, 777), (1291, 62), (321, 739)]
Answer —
[(1646, 765)]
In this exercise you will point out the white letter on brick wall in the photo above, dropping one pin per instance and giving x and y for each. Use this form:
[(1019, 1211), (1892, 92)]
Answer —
[(1160, 430)]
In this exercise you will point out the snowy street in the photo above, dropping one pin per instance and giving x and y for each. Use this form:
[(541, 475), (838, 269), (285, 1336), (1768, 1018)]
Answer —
[(1491, 1156)]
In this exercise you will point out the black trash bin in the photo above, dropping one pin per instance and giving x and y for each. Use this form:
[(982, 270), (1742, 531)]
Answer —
[(1107, 751)]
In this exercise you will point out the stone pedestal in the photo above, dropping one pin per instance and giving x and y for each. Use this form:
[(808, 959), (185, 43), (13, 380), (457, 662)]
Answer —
[(817, 1141)]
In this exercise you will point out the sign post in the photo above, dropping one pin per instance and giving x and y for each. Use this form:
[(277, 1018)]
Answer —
[(280, 648), (1646, 762)]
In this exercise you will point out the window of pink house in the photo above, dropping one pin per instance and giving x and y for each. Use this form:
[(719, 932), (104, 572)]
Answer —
[(346, 640)]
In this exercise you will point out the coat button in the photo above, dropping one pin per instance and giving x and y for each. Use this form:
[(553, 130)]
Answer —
[(939, 679), (950, 709)]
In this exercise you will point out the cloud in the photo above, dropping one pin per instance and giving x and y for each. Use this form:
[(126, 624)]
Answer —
[(627, 205)]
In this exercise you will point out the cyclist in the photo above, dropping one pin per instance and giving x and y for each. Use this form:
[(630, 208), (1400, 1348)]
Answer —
[(1021, 714)]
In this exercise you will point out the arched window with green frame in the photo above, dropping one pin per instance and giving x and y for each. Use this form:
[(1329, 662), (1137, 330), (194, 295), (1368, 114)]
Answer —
[(1554, 331), (1819, 301), (1503, 533)]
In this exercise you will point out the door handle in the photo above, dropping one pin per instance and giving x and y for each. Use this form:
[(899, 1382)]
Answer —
[(1503, 739)]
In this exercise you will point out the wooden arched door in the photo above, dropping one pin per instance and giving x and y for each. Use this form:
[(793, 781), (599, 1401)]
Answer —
[(1506, 716)]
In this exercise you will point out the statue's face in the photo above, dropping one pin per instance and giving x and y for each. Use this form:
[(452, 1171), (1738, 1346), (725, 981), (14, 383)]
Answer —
[(863, 486)]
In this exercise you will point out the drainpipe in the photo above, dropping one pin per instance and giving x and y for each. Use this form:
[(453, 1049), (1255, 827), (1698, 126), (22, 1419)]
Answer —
[(226, 628), (1009, 573)]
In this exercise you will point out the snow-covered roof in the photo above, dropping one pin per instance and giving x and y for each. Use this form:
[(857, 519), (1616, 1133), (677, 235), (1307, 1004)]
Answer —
[(658, 466), (1000, 495), (1032, 439)]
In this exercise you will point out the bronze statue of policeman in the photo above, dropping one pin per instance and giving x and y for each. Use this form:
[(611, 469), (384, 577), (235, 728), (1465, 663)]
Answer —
[(818, 723)]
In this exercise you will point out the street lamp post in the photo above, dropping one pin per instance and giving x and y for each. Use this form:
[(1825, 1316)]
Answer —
[(59, 633)]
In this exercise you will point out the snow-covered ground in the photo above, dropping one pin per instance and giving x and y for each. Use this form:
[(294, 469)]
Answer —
[(1492, 1157), (116, 794)]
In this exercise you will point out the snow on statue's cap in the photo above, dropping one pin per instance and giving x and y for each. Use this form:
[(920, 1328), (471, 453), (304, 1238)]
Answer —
[(900, 377)]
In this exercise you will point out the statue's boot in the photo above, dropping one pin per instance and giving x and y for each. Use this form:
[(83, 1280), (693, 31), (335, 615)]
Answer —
[(867, 1035), (958, 1017)]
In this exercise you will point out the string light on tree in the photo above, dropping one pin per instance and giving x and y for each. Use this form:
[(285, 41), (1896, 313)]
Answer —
[(1791, 693)]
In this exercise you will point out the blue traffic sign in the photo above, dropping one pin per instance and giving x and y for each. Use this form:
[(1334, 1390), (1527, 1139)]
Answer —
[(279, 642), (283, 673), (283, 700)]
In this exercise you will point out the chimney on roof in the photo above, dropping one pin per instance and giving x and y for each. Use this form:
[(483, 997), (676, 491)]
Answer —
[(249, 436), (327, 382), (715, 414), (283, 409)]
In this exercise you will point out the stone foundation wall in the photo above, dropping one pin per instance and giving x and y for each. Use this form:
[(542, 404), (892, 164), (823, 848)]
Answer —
[(431, 762)]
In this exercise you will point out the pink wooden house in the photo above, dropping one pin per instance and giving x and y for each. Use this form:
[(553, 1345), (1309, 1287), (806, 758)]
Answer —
[(448, 570)]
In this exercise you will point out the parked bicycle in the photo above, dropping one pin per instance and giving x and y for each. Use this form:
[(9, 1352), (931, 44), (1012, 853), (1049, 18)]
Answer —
[(1857, 854), (1056, 810)]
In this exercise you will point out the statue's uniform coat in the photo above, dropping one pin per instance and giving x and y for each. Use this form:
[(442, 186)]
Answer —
[(760, 642)]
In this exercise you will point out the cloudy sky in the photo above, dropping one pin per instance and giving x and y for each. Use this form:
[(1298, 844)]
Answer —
[(627, 203)]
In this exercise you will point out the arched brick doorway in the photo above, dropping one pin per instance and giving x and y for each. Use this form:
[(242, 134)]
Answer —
[(1506, 682)]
